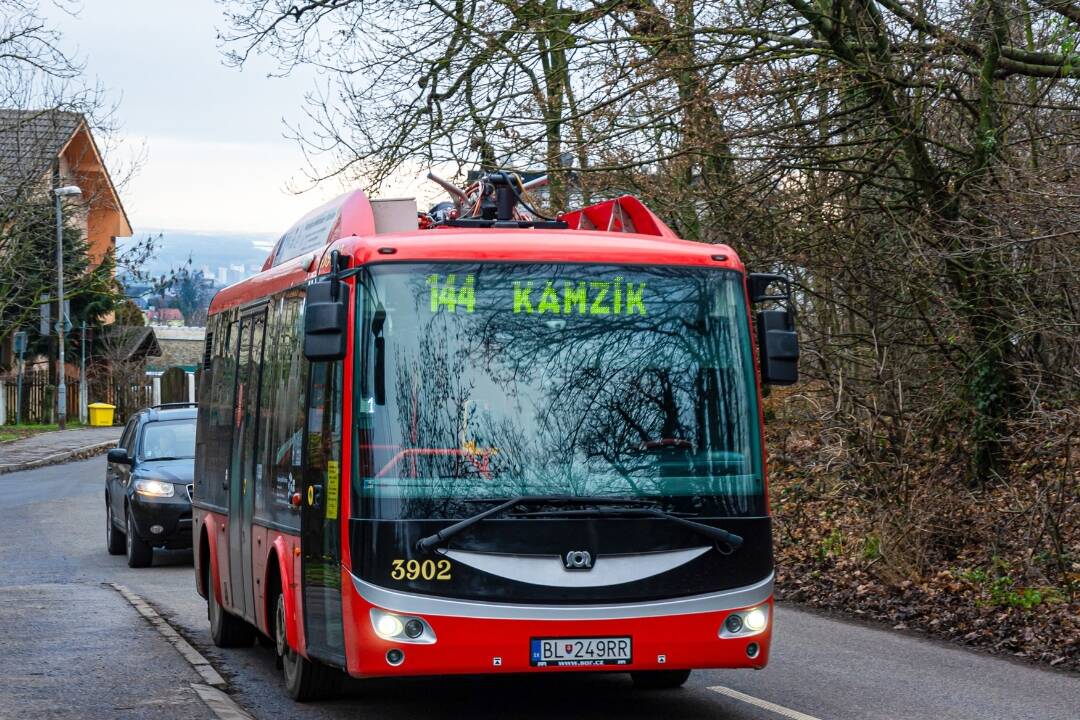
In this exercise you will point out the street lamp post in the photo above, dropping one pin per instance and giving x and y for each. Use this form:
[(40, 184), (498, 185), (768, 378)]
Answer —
[(61, 387)]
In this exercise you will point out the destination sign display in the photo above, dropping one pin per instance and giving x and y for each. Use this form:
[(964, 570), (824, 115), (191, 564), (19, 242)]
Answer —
[(594, 297)]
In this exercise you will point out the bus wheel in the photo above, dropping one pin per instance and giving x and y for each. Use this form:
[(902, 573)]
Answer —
[(660, 679), (226, 630), (114, 539), (304, 679), (139, 552)]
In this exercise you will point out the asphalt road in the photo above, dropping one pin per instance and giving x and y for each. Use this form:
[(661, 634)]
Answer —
[(53, 537)]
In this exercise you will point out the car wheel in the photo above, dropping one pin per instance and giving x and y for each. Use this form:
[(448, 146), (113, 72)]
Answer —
[(304, 679), (114, 539), (139, 552), (226, 630), (660, 679)]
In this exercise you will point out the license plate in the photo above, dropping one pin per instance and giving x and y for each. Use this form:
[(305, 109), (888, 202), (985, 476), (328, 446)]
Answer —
[(577, 652)]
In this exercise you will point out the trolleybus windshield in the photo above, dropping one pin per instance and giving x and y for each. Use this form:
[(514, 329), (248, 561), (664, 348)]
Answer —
[(500, 380)]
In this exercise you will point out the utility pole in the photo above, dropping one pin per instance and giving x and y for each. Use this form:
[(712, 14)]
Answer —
[(82, 375), (61, 387), (20, 349)]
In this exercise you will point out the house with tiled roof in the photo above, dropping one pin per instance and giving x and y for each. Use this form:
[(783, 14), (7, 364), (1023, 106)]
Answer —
[(44, 149)]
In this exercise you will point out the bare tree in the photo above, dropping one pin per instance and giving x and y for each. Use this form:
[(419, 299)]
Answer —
[(912, 164)]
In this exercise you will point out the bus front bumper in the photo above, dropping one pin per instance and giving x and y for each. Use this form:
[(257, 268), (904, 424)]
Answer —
[(455, 644)]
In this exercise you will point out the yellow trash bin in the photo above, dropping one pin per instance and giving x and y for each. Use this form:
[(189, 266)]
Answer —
[(101, 413)]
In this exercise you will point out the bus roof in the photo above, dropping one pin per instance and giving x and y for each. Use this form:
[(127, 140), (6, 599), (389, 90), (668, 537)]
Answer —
[(444, 244)]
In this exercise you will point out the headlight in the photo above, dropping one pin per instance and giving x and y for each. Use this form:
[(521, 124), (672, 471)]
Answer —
[(755, 620), (745, 622), (154, 488), (388, 626)]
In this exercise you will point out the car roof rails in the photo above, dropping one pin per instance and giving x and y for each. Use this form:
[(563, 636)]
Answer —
[(166, 406)]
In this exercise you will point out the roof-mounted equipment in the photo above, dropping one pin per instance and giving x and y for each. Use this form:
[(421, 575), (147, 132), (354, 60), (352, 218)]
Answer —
[(492, 202)]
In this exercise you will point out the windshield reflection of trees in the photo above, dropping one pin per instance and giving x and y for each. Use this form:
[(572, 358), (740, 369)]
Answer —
[(493, 403)]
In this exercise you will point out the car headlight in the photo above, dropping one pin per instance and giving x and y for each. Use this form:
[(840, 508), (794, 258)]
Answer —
[(154, 488)]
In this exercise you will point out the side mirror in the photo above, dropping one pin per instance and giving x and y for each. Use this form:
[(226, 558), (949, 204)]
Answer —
[(778, 343), (326, 317), (778, 346), (119, 455), (377, 323)]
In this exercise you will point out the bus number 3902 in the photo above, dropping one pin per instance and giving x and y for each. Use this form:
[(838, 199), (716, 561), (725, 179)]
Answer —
[(415, 569)]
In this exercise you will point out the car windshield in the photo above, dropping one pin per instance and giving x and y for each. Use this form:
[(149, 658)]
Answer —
[(502, 380), (168, 440)]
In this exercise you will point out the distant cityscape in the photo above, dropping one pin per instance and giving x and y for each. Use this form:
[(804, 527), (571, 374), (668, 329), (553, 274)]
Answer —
[(213, 260)]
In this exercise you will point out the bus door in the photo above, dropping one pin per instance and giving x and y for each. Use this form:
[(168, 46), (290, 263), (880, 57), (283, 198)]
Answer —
[(320, 523), (242, 466)]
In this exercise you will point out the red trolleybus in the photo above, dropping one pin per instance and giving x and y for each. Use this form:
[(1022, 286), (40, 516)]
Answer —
[(486, 442)]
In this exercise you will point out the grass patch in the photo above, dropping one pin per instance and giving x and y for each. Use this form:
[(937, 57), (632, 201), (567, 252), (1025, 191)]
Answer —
[(17, 432), (999, 589)]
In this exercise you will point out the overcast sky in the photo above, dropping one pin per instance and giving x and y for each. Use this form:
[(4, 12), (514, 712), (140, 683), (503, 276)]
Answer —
[(216, 158)]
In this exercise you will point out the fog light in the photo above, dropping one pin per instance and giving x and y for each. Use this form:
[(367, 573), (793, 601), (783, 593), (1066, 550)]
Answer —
[(756, 619), (395, 657), (156, 529), (733, 624), (752, 650), (388, 626), (414, 628)]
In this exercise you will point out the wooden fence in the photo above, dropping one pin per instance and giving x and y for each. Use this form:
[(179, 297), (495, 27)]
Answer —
[(39, 397)]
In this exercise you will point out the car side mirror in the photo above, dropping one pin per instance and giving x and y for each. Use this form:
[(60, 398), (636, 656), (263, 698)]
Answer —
[(119, 455), (778, 343), (326, 317)]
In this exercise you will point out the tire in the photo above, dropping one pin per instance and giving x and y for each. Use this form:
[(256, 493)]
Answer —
[(226, 630), (660, 679), (139, 552), (114, 539), (305, 679)]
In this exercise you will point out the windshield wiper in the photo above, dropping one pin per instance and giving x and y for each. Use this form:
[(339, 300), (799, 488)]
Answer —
[(568, 500), (730, 539), (426, 544), (604, 507)]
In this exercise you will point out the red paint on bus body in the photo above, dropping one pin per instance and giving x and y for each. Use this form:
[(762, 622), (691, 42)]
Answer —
[(471, 645), (284, 546)]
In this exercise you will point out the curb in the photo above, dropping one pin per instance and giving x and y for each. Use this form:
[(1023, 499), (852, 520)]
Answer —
[(211, 690), (201, 665), (219, 703), (60, 457)]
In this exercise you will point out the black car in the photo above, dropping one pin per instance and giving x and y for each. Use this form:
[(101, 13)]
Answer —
[(148, 483)]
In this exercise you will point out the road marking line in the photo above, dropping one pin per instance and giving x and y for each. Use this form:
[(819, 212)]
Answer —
[(763, 704), (223, 706), (194, 658)]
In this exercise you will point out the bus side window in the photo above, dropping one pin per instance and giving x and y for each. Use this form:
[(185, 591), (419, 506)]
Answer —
[(269, 392), (220, 419), (324, 428), (282, 478)]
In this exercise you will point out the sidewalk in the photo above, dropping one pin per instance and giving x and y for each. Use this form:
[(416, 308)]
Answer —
[(49, 448), (80, 652)]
